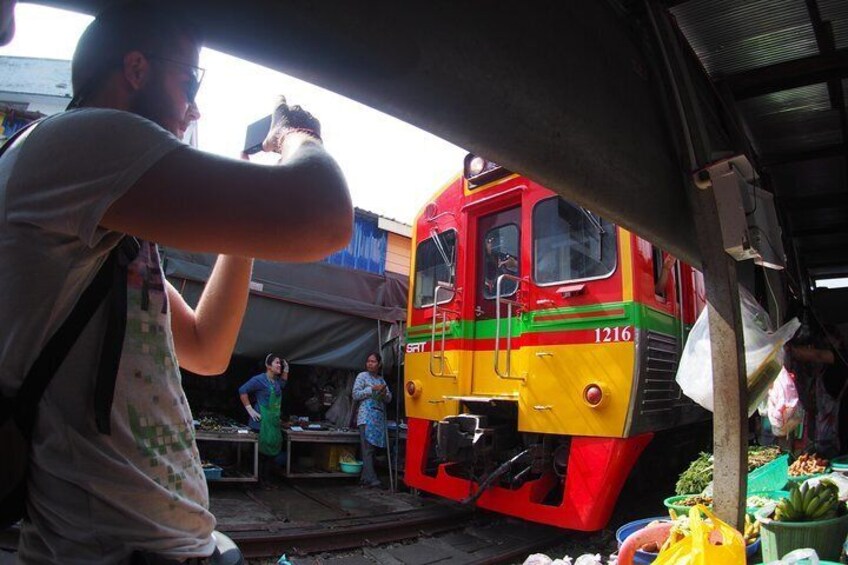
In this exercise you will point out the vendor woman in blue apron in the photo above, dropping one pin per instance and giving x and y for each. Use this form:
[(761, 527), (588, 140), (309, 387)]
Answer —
[(264, 410), (372, 393)]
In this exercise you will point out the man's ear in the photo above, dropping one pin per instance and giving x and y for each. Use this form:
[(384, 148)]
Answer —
[(136, 69)]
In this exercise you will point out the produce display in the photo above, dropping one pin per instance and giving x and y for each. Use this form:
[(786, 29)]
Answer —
[(696, 478), (757, 501), (807, 504), (216, 423), (700, 472), (696, 499), (808, 464), (347, 458), (752, 530)]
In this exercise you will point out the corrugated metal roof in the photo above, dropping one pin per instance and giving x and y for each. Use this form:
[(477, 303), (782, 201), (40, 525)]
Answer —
[(796, 119), (732, 36), (836, 12)]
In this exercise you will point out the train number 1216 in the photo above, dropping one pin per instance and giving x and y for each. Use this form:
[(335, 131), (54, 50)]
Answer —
[(608, 335)]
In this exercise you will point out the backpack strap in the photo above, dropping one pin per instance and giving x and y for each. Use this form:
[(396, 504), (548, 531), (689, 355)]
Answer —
[(59, 345), (113, 338)]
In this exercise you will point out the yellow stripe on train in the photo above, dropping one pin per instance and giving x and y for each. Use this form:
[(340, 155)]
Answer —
[(550, 393)]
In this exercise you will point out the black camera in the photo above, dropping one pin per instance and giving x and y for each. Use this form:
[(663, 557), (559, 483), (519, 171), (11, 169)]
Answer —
[(256, 134)]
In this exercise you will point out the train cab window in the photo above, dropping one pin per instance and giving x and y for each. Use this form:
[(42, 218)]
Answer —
[(659, 276), (662, 265), (434, 263), (570, 243), (500, 257)]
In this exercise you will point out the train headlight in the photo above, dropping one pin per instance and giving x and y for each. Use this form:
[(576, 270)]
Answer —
[(595, 395), (479, 171), (476, 166), (413, 388)]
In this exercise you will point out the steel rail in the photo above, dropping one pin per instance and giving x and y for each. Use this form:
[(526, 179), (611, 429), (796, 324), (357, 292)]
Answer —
[(349, 533)]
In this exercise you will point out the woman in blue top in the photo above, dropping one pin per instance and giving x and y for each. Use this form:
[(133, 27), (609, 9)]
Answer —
[(267, 391), (372, 393)]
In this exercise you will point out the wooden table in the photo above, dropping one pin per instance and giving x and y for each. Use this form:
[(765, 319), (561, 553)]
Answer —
[(318, 437), (238, 439)]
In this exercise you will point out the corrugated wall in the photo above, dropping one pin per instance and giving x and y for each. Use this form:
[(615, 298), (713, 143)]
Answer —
[(366, 250), (398, 254)]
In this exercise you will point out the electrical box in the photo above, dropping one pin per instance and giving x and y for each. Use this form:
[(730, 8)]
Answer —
[(749, 224)]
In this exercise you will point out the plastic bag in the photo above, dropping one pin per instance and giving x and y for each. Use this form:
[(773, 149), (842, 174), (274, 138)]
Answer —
[(785, 412), (807, 555), (763, 354), (699, 549), (837, 478)]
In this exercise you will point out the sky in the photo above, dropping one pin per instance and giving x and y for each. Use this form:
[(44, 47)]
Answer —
[(375, 151)]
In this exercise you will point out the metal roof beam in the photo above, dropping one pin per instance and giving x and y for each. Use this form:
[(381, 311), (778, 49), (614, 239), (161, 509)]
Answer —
[(791, 74)]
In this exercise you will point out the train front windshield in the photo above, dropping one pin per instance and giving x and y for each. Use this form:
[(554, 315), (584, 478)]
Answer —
[(570, 243), (434, 264)]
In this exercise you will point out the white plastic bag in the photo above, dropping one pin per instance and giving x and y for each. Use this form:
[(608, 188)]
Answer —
[(537, 559), (837, 478), (763, 354), (785, 412), (807, 555)]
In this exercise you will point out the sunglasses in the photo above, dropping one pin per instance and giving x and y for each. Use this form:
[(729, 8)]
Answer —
[(195, 74)]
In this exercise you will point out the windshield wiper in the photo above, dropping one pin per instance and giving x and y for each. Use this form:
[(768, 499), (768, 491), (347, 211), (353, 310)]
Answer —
[(593, 220), (441, 248)]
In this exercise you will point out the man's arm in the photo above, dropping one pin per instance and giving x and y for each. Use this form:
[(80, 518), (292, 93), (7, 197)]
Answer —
[(298, 210), (204, 338), (812, 355)]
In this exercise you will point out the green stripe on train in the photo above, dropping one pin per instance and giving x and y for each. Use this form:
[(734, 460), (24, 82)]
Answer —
[(591, 317)]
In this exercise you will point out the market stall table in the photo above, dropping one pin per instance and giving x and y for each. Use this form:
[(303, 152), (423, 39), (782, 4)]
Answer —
[(237, 437), (322, 436)]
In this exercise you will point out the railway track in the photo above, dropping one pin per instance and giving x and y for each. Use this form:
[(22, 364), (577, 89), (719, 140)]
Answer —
[(442, 533)]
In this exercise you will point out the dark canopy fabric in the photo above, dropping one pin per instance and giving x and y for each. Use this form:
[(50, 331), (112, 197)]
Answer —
[(312, 314)]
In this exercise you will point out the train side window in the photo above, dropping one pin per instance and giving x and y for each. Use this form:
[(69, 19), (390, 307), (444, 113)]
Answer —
[(435, 259), (571, 243), (657, 268), (661, 263), (500, 256)]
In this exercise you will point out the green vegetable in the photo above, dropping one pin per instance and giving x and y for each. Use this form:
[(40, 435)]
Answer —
[(696, 478), (700, 472)]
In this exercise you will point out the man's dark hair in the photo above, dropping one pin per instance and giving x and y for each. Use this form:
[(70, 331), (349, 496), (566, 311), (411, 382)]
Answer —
[(121, 29)]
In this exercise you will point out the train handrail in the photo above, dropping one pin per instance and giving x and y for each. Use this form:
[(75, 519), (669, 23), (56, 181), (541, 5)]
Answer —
[(437, 312), (499, 300)]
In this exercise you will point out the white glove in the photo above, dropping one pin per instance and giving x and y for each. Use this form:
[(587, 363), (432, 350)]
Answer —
[(254, 415), (285, 366)]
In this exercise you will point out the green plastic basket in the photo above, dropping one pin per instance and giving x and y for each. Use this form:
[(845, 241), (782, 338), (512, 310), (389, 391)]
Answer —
[(825, 536), (672, 502), (839, 463), (771, 476), (771, 495)]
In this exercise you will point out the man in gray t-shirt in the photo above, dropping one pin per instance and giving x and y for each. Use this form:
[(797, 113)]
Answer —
[(70, 189)]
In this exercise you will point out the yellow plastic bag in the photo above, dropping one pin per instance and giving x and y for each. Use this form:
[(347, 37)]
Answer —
[(696, 549)]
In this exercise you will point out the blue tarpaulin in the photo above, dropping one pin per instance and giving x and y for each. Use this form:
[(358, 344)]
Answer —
[(366, 250)]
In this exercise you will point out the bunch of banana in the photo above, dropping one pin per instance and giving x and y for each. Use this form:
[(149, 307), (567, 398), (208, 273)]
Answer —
[(752, 530), (807, 504)]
